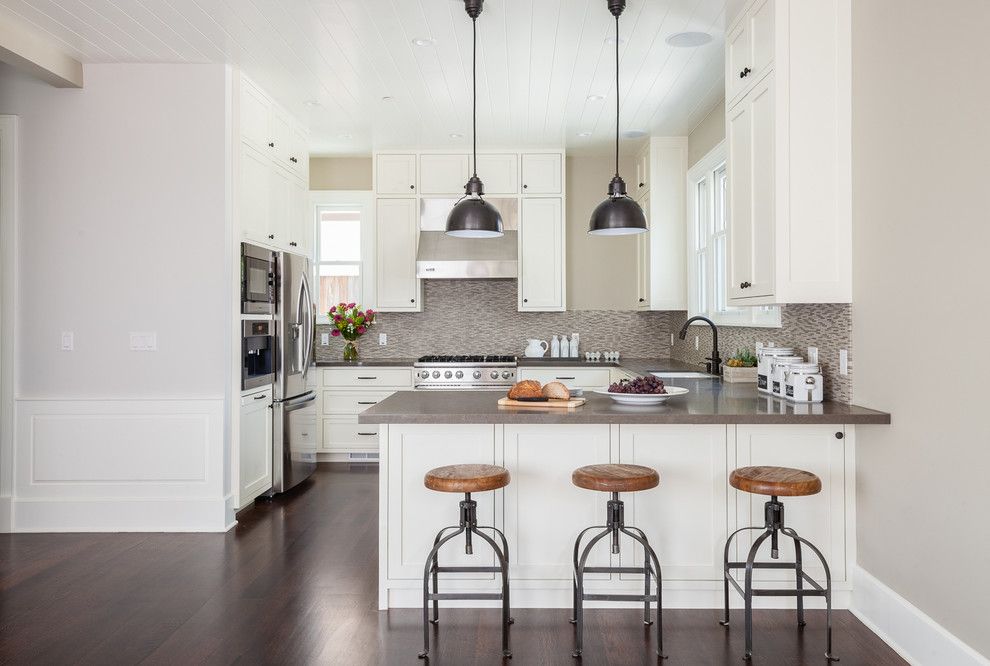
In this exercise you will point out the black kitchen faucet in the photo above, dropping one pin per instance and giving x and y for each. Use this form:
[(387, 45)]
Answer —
[(714, 364)]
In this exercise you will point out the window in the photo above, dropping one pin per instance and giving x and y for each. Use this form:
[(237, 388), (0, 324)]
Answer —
[(708, 214), (343, 244)]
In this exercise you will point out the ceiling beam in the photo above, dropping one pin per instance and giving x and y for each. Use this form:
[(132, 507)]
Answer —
[(30, 52)]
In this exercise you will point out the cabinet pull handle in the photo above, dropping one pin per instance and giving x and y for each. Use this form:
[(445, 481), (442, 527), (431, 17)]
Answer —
[(293, 243), (293, 159), (745, 285), (261, 397), (367, 377), (367, 434), (367, 403), (566, 378), (743, 74)]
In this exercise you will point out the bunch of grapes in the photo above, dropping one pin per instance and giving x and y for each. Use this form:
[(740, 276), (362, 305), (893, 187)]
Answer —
[(648, 384)]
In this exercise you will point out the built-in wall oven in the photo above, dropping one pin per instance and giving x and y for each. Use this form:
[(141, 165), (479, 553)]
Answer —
[(257, 353), (257, 280)]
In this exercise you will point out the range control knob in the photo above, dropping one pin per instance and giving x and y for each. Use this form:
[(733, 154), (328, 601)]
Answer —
[(425, 374), (494, 374), (459, 374), (506, 374), (436, 374), (477, 374), (448, 374)]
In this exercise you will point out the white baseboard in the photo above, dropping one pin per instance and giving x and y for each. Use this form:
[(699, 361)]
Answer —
[(6, 515), (912, 634), (120, 515)]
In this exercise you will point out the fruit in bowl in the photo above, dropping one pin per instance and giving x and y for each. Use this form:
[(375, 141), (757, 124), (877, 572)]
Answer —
[(640, 385)]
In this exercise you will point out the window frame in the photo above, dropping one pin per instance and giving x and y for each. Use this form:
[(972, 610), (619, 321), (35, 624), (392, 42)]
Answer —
[(364, 202), (705, 170)]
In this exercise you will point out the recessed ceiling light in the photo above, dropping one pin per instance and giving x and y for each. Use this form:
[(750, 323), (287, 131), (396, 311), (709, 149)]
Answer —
[(633, 133), (455, 135), (595, 98), (345, 136), (424, 41), (312, 103), (387, 98), (611, 40), (584, 134), (686, 40)]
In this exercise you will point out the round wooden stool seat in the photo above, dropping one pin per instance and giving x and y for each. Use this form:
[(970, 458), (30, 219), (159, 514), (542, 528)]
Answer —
[(466, 478), (615, 478), (776, 481)]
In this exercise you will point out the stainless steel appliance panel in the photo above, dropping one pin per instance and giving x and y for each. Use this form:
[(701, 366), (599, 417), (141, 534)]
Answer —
[(257, 353), (295, 323), (295, 441), (257, 280)]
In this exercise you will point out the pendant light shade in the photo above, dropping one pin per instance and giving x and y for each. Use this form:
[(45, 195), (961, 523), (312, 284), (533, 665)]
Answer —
[(472, 216), (619, 214)]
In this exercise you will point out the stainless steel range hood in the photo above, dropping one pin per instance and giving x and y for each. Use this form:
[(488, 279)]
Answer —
[(440, 256)]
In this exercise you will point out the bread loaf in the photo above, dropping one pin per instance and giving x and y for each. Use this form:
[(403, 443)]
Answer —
[(556, 391), (528, 388)]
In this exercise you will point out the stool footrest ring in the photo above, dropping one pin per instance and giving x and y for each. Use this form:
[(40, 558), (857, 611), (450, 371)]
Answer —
[(465, 596), (618, 597)]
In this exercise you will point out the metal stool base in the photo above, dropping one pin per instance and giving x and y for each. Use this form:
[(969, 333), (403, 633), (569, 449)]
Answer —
[(468, 526), (615, 525), (774, 525)]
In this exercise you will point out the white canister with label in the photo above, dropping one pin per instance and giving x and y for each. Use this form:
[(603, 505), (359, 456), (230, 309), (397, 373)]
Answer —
[(764, 365), (804, 383), (778, 372)]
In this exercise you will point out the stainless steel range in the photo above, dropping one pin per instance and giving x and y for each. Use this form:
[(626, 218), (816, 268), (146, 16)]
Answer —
[(479, 373)]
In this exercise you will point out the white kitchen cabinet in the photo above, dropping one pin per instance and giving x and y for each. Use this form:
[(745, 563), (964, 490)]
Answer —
[(255, 453), (499, 173), (541, 255), (416, 514), (367, 377), (254, 200), (443, 174), (395, 173), (281, 137), (572, 377), (642, 184), (643, 260), (542, 173), (538, 457), (824, 518), (302, 224), (399, 289), (256, 118), (789, 137), (348, 392), (279, 207), (661, 253), (694, 463)]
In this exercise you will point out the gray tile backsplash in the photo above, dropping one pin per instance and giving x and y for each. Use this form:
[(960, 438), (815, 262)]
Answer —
[(480, 316)]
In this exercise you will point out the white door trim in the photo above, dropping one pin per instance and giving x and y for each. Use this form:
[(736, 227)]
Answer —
[(8, 292)]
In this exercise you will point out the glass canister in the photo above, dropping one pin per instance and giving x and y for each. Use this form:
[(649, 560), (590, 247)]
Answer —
[(804, 383), (778, 372), (764, 365)]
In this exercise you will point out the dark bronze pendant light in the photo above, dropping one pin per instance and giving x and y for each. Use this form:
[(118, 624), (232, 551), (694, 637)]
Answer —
[(619, 214), (472, 216)]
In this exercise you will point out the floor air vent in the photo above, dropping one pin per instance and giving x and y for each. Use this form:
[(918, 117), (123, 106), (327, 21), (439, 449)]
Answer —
[(363, 457)]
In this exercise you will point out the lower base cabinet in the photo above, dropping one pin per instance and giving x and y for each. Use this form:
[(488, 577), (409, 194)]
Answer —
[(347, 392), (255, 469), (687, 517)]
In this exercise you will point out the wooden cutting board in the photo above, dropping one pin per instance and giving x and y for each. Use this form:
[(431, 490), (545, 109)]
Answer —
[(559, 404)]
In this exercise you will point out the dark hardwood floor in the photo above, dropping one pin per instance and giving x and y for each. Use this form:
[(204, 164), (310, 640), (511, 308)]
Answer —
[(295, 583)]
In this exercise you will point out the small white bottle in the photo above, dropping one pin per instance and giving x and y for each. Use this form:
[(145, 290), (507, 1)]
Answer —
[(555, 347), (575, 342), (565, 347)]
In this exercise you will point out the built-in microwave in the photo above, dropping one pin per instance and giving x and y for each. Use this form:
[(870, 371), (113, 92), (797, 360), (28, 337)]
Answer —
[(257, 280)]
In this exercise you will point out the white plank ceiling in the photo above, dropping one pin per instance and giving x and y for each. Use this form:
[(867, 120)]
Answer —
[(351, 70)]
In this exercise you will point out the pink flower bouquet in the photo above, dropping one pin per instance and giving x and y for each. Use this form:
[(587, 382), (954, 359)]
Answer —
[(350, 322)]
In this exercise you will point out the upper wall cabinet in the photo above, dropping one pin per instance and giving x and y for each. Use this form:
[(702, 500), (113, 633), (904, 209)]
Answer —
[(398, 239), (499, 173), (541, 255), (788, 121), (661, 252), (395, 173), (642, 184), (542, 173), (443, 174)]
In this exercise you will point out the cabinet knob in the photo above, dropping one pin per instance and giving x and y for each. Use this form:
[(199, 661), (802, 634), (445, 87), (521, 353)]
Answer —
[(642, 300), (525, 300), (293, 243), (271, 144), (525, 186), (271, 236), (743, 74), (839, 435), (642, 184), (412, 187), (412, 300), (745, 285), (293, 159)]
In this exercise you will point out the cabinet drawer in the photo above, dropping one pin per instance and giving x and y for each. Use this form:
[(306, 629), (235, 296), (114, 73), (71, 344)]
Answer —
[(574, 377), (352, 378), (350, 403), (349, 436)]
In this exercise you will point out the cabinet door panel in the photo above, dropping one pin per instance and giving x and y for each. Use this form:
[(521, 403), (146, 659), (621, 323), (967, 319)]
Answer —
[(738, 52), (540, 460), (589, 378), (255, 446), (761, 36), (256, 118), (416, 514), (398, 236), (819, 518), (500, 173), (395, 174), (541, 255), (443, 174), (282, 136), (343, 434), (685, 516), (280, 207), (642, 185), (254, 198), (301, 223), (762, 183), (740, 175), (541, 173)]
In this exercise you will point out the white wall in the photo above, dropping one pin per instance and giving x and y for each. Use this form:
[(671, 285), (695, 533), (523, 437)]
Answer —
[(340, 173), (123, 226), (920, 310), (707, 134)]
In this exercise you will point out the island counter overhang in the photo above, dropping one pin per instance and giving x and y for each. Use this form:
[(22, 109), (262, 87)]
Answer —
[(694, 443)]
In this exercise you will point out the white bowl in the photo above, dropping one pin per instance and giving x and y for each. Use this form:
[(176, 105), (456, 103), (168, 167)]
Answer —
[(644, 398)]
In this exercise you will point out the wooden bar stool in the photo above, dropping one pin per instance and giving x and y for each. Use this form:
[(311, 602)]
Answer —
[(777, 482), (466, 479), (616, 479)]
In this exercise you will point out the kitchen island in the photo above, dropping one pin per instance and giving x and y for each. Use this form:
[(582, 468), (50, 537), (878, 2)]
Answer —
[(694, 441)]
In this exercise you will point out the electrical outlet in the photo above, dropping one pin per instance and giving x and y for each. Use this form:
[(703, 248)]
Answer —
[(67, 341), (144, 341), (843, 362), (671, 339), (696, 342), (812, 354), (324, 339), (382, 339)]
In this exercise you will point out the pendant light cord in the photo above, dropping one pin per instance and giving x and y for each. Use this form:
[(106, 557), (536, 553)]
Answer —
[(474, 92), (616, 96)]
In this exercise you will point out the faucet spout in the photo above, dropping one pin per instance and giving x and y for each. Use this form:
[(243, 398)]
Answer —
[(714, 364)]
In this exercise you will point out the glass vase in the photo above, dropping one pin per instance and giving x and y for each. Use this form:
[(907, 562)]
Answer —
[(350, 350)]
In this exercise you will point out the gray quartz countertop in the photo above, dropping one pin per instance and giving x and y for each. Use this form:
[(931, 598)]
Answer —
[(368, 363), (709, 402), (638, 365)]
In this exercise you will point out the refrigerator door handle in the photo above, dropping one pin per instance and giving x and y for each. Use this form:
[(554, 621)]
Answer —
[(306, 317), (292, 403)]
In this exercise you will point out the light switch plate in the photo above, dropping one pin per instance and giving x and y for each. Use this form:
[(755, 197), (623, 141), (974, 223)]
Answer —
[(324, 339), (843, 362), (382, 339), (696, 342), (144, 341), (67, 342)]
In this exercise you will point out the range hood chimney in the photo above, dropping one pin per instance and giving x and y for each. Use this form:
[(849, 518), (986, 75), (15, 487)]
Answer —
[(440, 256)]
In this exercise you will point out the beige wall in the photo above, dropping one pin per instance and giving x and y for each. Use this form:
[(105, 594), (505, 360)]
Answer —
[(921, 237), (340, 173), (600, 269), (707, 134)]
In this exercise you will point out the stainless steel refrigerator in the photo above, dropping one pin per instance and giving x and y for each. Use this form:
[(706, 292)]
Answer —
[(294, 433)]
